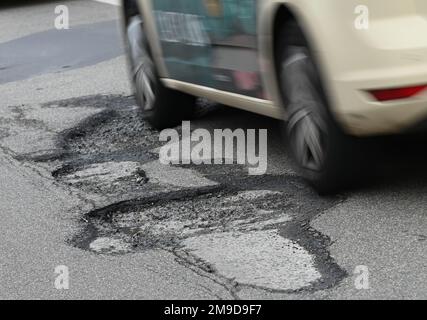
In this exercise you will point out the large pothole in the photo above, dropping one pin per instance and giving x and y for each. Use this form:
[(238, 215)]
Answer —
[(227, 230), (215, 219)]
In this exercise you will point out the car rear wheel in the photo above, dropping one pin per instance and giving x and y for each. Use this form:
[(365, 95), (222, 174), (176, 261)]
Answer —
[(323, 154), (160, 106)]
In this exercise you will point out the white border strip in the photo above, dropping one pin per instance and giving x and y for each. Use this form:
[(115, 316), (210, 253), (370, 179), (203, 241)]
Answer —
[(112, 2)]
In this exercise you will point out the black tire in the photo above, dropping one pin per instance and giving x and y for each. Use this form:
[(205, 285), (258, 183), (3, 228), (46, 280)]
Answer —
[(322, 153), (160, 106)]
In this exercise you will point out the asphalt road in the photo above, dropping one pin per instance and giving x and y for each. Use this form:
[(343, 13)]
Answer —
[(81, 186)]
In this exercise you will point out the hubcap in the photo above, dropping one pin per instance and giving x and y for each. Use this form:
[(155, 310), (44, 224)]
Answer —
[(307, 128), (307, 136)]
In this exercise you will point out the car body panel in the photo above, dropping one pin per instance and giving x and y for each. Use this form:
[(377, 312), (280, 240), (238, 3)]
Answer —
[(211, 43), (391, 53)]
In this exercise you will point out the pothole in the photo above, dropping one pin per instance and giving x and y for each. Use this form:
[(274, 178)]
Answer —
[(117, 134), (216, 219), (166, 223), (111, 153), (232, 233)]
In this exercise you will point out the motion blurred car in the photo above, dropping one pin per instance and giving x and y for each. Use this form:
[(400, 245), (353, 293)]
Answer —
[(333, 70)]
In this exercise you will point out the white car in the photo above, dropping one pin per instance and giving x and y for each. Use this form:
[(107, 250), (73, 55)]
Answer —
[(332, 69)]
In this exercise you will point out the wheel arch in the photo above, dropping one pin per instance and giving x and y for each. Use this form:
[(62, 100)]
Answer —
[(276, 16)]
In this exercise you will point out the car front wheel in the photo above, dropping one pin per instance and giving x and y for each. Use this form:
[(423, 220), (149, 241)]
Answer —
[(323, 154)]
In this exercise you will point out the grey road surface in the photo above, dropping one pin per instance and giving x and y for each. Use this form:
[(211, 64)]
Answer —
[(81, 186)]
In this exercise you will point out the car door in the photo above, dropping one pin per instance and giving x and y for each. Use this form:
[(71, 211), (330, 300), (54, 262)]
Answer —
[(211, 43)]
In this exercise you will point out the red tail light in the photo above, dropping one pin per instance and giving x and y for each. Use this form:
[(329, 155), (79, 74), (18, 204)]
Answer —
[(398, 93)]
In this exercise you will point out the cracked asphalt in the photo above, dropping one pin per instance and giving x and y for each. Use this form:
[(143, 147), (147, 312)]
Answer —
[(81, 186)]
